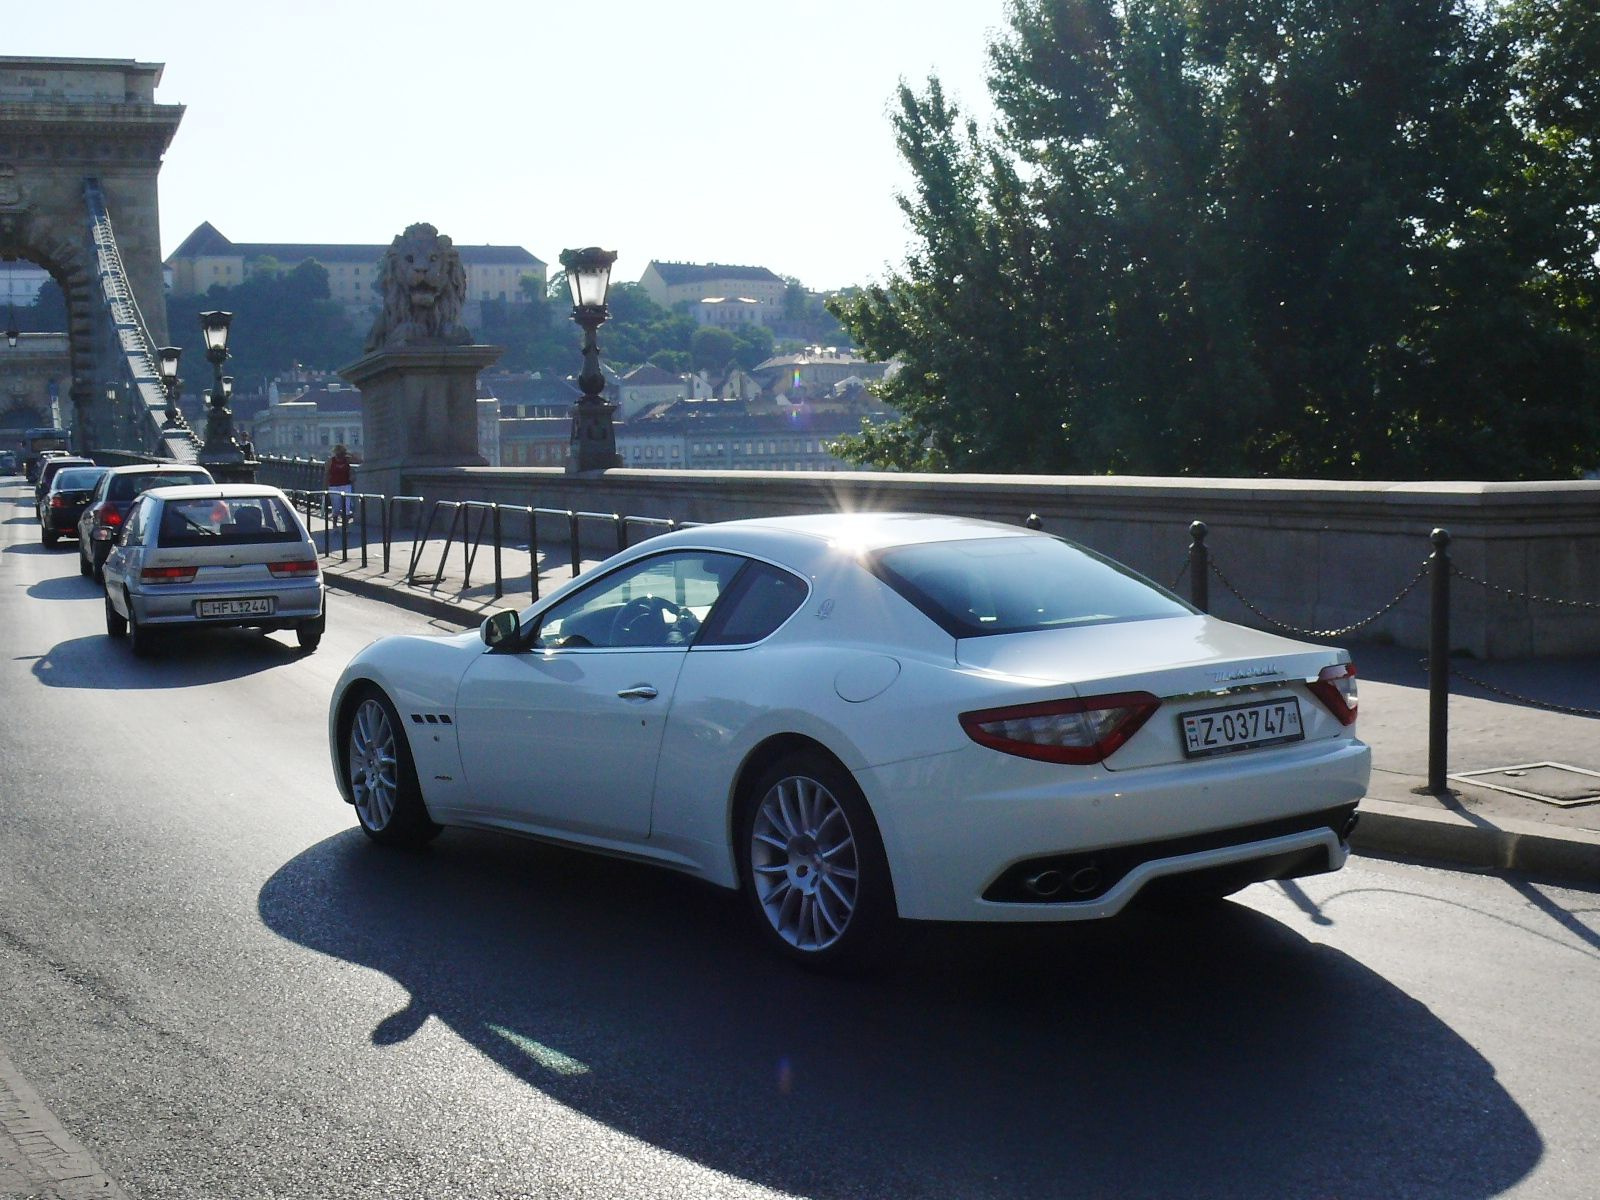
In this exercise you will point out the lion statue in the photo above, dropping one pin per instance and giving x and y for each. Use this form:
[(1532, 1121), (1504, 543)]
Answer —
[(424, 285)]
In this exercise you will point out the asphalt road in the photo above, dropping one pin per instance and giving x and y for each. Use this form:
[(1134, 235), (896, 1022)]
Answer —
[(221, 989)]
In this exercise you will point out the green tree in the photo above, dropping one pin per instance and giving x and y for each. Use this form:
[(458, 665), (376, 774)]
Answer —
[(1231, 237), (712, 349), (280, 320)]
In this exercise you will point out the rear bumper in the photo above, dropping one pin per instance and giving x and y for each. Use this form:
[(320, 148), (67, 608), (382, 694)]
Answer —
[(964, 831), (297, 601)]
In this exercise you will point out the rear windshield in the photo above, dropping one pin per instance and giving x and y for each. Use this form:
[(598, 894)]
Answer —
[(1014, 584), (77, 479), (126, 487), (237, 521)]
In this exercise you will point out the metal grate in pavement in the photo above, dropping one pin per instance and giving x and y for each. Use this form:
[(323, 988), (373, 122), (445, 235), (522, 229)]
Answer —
[(1548, 782)]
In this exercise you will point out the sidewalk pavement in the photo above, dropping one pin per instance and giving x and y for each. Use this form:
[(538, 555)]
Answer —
[(1496, 741)]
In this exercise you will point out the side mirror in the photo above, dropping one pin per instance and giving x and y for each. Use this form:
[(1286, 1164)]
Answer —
[(499, 629)]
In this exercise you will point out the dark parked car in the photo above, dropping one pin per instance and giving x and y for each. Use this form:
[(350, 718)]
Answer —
[(64, 501), (118, 488), (8, 462)]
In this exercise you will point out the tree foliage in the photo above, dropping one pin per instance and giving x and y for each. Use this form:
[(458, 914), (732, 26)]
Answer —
[(1234, 237), (281, 319)]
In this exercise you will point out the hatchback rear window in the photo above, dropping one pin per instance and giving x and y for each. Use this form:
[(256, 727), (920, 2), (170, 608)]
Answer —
[(1015, 584), (77, 479), (208, 521), (126, 487)]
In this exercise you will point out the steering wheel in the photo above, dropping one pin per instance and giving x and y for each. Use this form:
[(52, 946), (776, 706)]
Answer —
[(653, 621)]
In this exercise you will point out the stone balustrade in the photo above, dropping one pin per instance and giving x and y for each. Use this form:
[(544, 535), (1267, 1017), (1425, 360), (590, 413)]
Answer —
[(1314, 554)]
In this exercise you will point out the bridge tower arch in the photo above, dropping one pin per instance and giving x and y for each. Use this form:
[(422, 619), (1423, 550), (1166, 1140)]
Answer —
[(81, 144)]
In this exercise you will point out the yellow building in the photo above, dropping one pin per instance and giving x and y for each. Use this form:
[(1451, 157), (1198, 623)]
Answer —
[(206, 258)]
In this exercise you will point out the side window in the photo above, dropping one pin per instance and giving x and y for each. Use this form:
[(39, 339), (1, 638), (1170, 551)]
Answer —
[(133, 527), (760, 600), (656, 602)]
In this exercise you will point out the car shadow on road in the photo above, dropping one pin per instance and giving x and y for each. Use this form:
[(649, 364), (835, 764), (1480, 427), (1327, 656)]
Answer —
[(1209, 1055), (195, 658)]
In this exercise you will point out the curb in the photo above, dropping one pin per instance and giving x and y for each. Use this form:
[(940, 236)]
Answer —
[(1392, 829), (1388, 828)]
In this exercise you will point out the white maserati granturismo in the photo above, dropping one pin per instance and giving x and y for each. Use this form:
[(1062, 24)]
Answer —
[(861, 718)]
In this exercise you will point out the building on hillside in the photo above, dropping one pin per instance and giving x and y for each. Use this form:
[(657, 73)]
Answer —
[(731, 312), (529, 394), (535, 441), (670, 283), (206, 257), (736, 435), (308, 421), (647, 387), (814, 372)]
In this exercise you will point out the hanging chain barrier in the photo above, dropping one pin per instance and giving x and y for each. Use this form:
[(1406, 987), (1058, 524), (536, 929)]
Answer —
[(1343, 630), (1495, 689), (1438, 569)]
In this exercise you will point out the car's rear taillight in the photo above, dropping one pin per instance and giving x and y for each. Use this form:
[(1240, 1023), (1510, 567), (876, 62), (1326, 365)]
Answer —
[(167, 574), (59, 502), (298, 567), (110, 516), (1335, 686), (1062, 731)]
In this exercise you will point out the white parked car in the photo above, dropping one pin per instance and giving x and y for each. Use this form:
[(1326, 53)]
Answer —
[(859, 717), (210, 555)]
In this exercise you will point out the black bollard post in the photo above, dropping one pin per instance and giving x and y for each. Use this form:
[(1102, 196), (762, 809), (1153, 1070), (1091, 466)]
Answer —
[(1199, 567), (1033, 521), (1439, 662)]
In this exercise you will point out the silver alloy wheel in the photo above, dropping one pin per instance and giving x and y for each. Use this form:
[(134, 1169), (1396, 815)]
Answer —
[(373, 765), (803, 863)]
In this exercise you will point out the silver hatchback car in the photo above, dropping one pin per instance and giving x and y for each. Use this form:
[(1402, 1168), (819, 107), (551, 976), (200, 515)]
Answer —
[(213, 554)]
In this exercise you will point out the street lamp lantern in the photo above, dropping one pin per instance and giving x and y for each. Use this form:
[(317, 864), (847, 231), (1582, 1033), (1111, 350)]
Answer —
[(214, 327), (168, 364), (594, 439), (588, 275), (219, 445)]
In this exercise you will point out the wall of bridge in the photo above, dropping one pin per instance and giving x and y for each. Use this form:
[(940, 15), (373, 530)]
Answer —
[(1312, 554)]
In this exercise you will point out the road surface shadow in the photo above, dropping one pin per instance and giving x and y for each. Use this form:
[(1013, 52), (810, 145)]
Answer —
[(1214, 1055), (194, 658)]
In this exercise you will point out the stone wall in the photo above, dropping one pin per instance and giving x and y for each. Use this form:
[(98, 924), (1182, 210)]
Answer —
[(1314, 554)]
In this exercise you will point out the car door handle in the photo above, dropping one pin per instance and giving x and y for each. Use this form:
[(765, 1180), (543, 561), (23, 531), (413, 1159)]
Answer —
[(643, 692)]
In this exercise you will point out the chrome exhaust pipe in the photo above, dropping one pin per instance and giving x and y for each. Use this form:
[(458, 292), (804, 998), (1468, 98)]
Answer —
[(1085, 880), (1045, 884)]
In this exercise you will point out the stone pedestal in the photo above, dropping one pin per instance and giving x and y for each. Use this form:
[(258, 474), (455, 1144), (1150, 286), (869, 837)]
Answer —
[(419, 408)]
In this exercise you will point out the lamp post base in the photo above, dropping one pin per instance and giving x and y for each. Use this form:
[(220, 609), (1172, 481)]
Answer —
[(594, 439)]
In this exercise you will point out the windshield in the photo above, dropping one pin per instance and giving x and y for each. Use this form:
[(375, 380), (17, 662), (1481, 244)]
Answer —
[(1013, 584), (208, 521)]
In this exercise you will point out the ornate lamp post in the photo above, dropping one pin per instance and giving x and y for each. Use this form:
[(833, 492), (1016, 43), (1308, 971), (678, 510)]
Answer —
[(169, 379), (594, 439), (219, 446), (113, 413)]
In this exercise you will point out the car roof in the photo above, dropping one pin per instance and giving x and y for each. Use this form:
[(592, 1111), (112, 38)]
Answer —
[(215, 491), (806, 541), (158, 468)]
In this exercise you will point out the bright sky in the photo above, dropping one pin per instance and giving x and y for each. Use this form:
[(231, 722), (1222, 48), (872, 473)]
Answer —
[(732, 131)]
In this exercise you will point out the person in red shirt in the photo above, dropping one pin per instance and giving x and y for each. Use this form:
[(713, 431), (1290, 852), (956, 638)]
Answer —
[(336, 479)]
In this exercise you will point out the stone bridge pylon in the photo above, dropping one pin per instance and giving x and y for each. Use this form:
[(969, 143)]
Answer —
[(81, 143)]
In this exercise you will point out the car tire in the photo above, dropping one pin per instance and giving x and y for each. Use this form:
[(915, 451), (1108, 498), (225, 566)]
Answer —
[(46, 537), (380, 774), (812, 865), (309, 633), (85, 567), (139, 638), (116, 623)]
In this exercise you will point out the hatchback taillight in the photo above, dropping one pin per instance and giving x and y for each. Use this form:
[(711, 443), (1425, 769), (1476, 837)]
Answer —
[(110, 516), (300, 566), (167, 574), (1062, 731), (1335, 686), (59, 502)]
